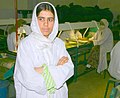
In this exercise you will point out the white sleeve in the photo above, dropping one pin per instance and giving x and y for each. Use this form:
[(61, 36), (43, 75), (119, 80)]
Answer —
[(24, 70), (61, 74), (102, 37)]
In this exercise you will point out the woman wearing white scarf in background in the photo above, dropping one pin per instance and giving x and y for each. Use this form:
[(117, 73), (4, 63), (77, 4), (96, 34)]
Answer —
[(40, 48), (104, 38)]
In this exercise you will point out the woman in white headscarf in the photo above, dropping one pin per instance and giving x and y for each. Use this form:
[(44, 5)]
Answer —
[(42, 65), (103, 42)]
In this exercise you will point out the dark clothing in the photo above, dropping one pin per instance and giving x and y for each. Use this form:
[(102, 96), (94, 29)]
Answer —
[(93, 59)]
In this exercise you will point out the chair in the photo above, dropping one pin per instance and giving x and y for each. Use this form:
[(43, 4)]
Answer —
[(114, 82), (9, 73), (114, 92)]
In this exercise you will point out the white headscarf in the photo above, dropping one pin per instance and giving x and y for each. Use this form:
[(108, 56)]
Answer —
[(40, 41), (105, 22), (35, 27)]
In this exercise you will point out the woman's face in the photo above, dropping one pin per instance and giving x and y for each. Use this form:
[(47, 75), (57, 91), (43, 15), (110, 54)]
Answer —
[(46, 22), (102, 25)]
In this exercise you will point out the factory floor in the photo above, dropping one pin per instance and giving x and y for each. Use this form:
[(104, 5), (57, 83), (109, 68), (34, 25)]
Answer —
[(90, 85)]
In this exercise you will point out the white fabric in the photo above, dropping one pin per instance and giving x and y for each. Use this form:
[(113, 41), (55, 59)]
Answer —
[(65, 35), (27, 29), (78, 35), (11, 41), (11, 38), (114, 66), (36, 50), (70, 35), (88, 65), (104, 38)]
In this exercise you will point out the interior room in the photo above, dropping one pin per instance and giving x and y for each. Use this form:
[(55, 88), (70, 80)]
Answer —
[(79, 22)]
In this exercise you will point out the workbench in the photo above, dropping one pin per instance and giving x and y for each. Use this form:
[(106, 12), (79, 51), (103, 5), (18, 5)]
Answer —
[(76, 51)]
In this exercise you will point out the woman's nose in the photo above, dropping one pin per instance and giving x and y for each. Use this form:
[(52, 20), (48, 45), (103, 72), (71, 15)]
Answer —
[(46, 23)]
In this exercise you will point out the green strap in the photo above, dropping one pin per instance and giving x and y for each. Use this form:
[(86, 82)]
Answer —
[(50, 83)]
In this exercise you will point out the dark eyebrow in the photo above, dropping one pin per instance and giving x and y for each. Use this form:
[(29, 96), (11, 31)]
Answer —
[(44, 17), (40, 17)]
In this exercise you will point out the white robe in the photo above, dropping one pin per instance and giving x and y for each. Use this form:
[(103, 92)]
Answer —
[(114, 66), (11, 41), (104, 38), (34, 51), (31, 84)]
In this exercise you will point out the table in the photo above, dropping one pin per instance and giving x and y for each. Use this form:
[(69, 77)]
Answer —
[(76, 50), (6, 66)]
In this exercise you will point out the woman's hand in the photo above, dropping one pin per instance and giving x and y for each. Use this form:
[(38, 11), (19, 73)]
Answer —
[(39, 69), (91, 39), (62, 61)]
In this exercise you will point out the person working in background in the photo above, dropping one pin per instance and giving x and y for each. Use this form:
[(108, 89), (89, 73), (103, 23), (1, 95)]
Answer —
[(23, 29), (43, 64), (114, 66), (103, 43), (71, 35)]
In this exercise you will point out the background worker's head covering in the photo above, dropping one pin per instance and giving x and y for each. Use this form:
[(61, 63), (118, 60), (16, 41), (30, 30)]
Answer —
[(21, 22), (105, 22), (35, 27)]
